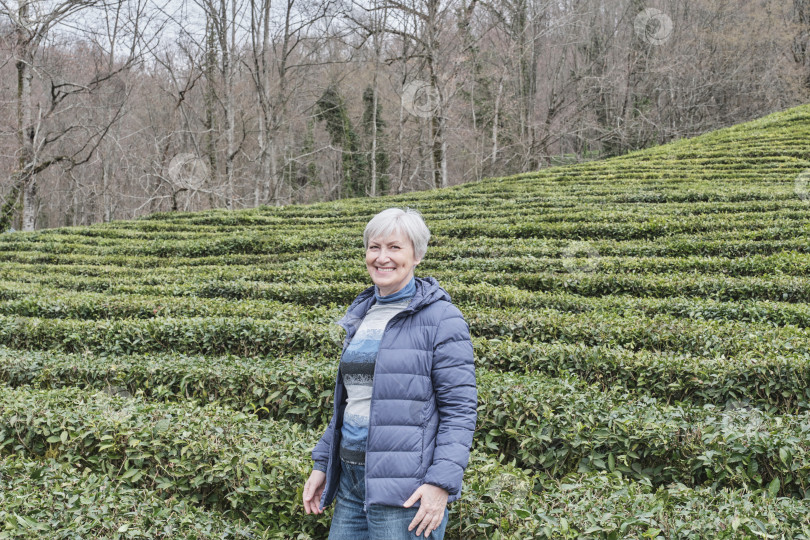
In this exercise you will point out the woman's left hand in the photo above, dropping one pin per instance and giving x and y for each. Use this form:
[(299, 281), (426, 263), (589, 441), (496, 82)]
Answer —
[(431, 508)]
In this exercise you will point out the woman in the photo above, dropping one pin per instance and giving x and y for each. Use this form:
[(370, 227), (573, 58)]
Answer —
[(405, 399)]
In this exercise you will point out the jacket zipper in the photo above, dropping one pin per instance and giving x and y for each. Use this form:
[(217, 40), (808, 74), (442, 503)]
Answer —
[(368, 437), (336, 409)]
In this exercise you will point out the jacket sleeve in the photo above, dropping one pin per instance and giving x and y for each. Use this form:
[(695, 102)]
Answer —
[(320, 454), (453, 377)]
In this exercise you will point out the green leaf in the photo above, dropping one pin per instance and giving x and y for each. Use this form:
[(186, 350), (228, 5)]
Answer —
[(774, 486)]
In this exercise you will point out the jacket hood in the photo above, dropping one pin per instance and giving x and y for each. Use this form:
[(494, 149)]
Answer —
[(427, 292)]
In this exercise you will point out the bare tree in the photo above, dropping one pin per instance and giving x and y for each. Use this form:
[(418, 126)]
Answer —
[(801, 42), (90, 132), (44, 92), (426, 23)]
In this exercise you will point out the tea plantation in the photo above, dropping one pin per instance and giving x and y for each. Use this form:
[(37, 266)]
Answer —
[(641, 328)]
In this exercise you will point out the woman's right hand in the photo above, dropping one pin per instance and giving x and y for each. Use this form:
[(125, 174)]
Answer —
[(313, 490)]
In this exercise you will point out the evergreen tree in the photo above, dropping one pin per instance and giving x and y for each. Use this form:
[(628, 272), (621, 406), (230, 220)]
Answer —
[(331, 110)]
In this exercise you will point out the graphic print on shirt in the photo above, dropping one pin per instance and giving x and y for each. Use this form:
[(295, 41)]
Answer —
[(357, 369)]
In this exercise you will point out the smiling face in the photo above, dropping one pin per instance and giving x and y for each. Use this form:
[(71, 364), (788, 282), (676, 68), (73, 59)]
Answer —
[(390, 262)]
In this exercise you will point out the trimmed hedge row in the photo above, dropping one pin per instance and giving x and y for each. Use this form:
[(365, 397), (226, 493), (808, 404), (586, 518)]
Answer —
[(210, 456), (272, 269), (556, 207), (634, 331), (296, 389), (288, 335), (28, 300), (219, 461), (775, 287), (579, 222), (326, 303), (777, 383), (248, 336), (442, 248), (560, 427), (546, 424), (609, 506), (203, 335), (44, 498), (251, 241)]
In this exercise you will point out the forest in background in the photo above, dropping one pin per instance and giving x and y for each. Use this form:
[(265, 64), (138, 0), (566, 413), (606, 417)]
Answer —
[(113, 109)]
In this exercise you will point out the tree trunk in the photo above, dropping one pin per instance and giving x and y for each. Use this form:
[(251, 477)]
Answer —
[(801, 43), (495, 122), (210, 113), (25, 120)]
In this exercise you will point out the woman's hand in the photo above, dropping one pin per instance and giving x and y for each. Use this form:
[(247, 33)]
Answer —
[(313, 490), (431, 508)]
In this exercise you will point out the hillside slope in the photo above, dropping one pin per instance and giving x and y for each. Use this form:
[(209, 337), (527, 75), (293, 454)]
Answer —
[(640, 327)]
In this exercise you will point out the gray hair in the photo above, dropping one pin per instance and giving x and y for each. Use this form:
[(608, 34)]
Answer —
[(407, 221)]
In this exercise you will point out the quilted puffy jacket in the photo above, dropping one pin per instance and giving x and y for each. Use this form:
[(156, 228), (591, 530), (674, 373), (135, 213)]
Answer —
[(423, 401)]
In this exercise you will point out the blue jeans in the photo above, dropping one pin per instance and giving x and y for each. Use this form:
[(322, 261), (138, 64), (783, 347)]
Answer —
[(351, 522)]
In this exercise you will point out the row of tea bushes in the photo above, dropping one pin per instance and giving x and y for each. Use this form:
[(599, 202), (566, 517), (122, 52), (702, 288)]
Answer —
[(283, 284), (28, 300), (547, 424), (607, 505), (297, 389), (327, 302), (46, 498), (289, 333), (64, 493), (536, 209), (211, 456), (561, 427), (440, 260), (690, 216), (228, 475), (440, 250), (778, 383)]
